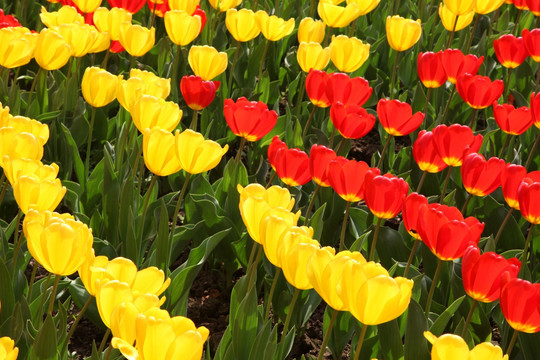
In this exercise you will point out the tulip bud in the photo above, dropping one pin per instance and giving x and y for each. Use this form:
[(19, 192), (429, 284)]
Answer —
[(207, 62), (242, 24), (198, 93), (311, 30), (137, 40), (196, 154), (149, 112), (99, 87), (15, 50), (181, 27), (52, 50), (109, 21), (348, 54), (402, 33), (159, 152), (337, 16)]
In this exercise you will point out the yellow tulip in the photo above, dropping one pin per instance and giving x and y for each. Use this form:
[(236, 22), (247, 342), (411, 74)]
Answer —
[(272, 27), (181, 27), (450, 347), (124, 315), (402, 33), (5, 116), (311, 30), (337, 16), (137, 40), (365, 6), (486, 6), (294, 262), (207, 62), (15, 49), (87, 6), (17, 167), (275, 196), (57, 241), (292, 236), (150, 111), (31, 192), (272, 226), (129, 92), (25, 124), (153, 84), (65, 15), (99, 87), (460, 7), (159, 152), (242, 24), (312, 56), (81, 37), (8, 351), (109, 295), (102, 42), (109, 21), (188, 6), (19, 145), (487, 351), (348, 54), (196, 154), (94, 268), (224, 5), (52, 50), (448, 19)]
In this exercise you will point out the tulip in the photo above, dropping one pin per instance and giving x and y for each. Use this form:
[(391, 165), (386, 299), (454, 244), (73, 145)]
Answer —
[(87, 6), (158, 7), (153, 84), (431, 70), (224, 5), (402, 33), (448, 19), (319, 158), (535, 108), (181, 27), (196, 154), (481, 177), (272, 27), (312, 56), (460, 7), (352, 121), (269, 226), (31, 192), (137, 40), (531, 39), (242, 24), (510, 50), (132, 6), (81, 37), (124, 315), (411, 212), (99, 87), (347, 178), (294, 263), (348, 54), (275, 146), (365, 6), (518, 301), (15, 50), (17, 167), (311, 30), (528, 195), (450, 346), (129, 92), (425, 153), (533, 7), (110, 21), (456, 64), (348, 91), (188, 6), (511, 120), (198, 93), (316, 86), (8, 20), (52, 50), (484, 7), (110, 294), (249, 119), (57, 241), (519, 4), (149, 112), (64, 15), (275, 196), (207, 62), (159, 152), (337, 16), (384, 194), (19, 145), (479, 91), (454, 142), (511, 178), (24, 124), (397, 118), (102, 42), (289, 239), (8, 349), (292, 167)]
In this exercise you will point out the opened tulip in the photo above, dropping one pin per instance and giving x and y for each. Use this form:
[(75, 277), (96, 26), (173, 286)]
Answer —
[(149, 112), (431, 70), (531, 39), (397, 118), (181, 27), (337, 16), (454, 142), (99, 87), (17, 167), (87, 6), (402, 33), (242, 24), (15, 50), (57, 241), (81, 37), (292, 166), (198, 93), (52, 50), (484, 7), (425, 153), (311, 30), (269, 226), (275, 196), (31, 192), (153, 84), (319, 158), (348, 53), (8, 349), (124, 315), (109, 21), (196, 154), (478, 91), (519, 304), (481, 177), (316, 88), (312, 56), (448, 19), (294, 263), (133, 6), (19, 145), (411, 211), (159, 152), (137, 40), (460, 7), (365, 6), (190, 6), (384, 194), (349, 91), (23, 124), (272, 27), (528, 195), (207, 62), (511, 178), (275, 146), (511, 120), (64, 15), (456, 64), (222, 5), (450, 346), (347, 178), (352, 121), (510, 50), (249, 119)]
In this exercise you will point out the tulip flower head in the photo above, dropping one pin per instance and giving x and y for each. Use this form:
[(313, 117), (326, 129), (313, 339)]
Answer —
[(242, 24), (402, 33), (397, 118), (312, 56), (31, 192), (531, 40), (518, 301), (132, 6), (347, 178), (181, 27), (87, 6), (311, 30), (510, 50), (99, 87), (153, 84), (478, 91), (189, 6), (319, 158), (207, 62), (110, 21), (292, 166), (384, 194), (348, 54), (365, 6), (528, 195), (431, 70), (352, 121), (484, 7), (220, 5), (535, 108), (52, 50), (198, 93), (425, 153), (159, 152), (534, 7), (448, 19), (316, 88), (249, 119), (137, 40), (17, 167), (460, 7), (349, 91), (23, 124), (336, 16), (454, 142), (19, 145), (196, 154), (275, 146), (64, 15), (150, 111), (272, 225), (456, 64), (411, 211), (480, 176), (511, 120), (294, 262), (511, 178), (15, 49), (450, 346), (8, 348), (272, 27)]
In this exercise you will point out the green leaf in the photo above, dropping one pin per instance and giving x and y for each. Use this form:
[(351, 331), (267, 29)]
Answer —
[(438, 326), (390, 338), (317, 223), (45, 344), (244, 325), (74, 153), (7, 296), (415, 342), (344, 327)]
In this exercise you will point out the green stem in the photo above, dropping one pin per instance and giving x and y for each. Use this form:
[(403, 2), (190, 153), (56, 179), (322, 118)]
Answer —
[(108, 353), (253, 269), (194, 120), (499, 233), (291, 308), (31, 282), (146, 200), (424, 175), (32, 88), (385, 149), (138, 156), (175, 82), (104, 341), (152, 19), (537, 78), (452, 33), (271, 180), (472, 124), (360, 342), (340, 145), (177, 208), (53, 294), (533, 149), (42, 301), (231, 74), (512, 343), (301, 96), (472, 33), (516, 23), (89, 142), (374, 242), (506, 141), (271, 294), (238, 157), (393, 78), (469, 317), (344, 227), (411, 256), (311, 203), (261, 66), (523, 257), (3, 187), (447, 107), (443, 193), (433, 286), (16, 241), (254, 250), (75, 323), (308, 123), (428, 95), (106, 59), (327, 335), (507, 90), (464, 207)]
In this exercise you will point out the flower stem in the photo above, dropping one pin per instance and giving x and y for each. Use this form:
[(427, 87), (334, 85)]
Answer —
[(311, 203), (472, 33), (516, 23), (512, 343), (472, 124), (433, 286), (327, 335), (428, 95), (421, 182), (411, 256), (499, 233), (89, 142), (194, 120), (32, 89), (42, 301), (393, 78), (375, 237), (177, 208), (443, 193), (452, 33), (464, 207), (360, 342), (17, 240), (175, 65), (253, 269), (344, 227), (308, 123), (238, 157), (31, 282), (385, 150), (527, 242), (146, 201), (104, 341), (75, 323), (231, 74), (469, 317), (271, 294), (533, 150), (301, 96), (447, 107), (53, 294), (506, 141), (507, 90), (3, 186), (291, 310), (261, 66)]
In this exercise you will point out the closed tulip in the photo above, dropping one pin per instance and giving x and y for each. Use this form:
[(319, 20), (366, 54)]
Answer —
[(110, 294), (484, 7), (99, 87), (224, 5), (534, 6), (384, 194), (294, 264), (352, 121), (348, 54), (347, 178), (24, 124), (431, 70), (181, 27), (316, 88), (411, 211), (289, 239), (450, 346), (511, 120), (64, 15), (292, 167), (17, 167), (57, 241), (109, 21), (15, 50), (124, 316), (365, 6), (149, 112), (19, 145), (242, 24), (196, 92), (454, 142), (397, 117), (188, 6), (278, 225), (196, 154), (518, 301), (272, 27), (319, 158), (153, 84), (425, 153), (478, 91), (31, 192), (81, 37), (249, 119), (337, 16), (480, 176), (456, 64), (207, 62), (275, 196), (535, 108), (448, 19), (52, 50), (349, 91), (311, 30), (510, 50), (511, 178), (460, 7), (402, 33), (273, 149), (8, 348), (159, 152), (132, 6), (137, 40), (312, 56), (129, 92), (528, 193), (531, 40), (87, 6), (102, 42)]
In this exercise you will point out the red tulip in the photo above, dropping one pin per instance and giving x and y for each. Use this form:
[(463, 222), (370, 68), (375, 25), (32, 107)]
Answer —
[(482, 273), (454, 142), (520, 4), (316, 85), (8, 20), (341, 88), (411, 211), (479, 91), (425, 153), (532, 43), (133, 6), (249, 119), (534, 6), (198, 93), (384, 194), (430, 69), (319, 158), (511, 178), (456, 64), (275, 146), (529, 196), (519, 304), (347, 178), (445, 232), (116, 47), (292, 166), (481, 177), (397, 118), (535, 108), (352, 121), (160, 8), (510, 50), (511, 120)]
